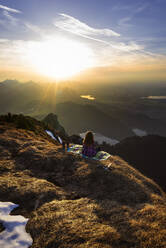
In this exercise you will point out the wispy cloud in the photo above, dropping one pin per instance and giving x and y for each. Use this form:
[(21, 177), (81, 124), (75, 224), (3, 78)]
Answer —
[(131, 46), (142, 7), (75, 26), (124, 22), (110, 49), (9, 9), (11, 18), (34, 28), (131, 10)]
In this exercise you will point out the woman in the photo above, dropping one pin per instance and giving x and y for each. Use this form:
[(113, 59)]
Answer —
[(89, 149)]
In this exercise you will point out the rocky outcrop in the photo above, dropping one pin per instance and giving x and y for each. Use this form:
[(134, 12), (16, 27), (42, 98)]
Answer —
[(76, 202), (52, 120)]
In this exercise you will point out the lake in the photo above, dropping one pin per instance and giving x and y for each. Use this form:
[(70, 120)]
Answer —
[(155, 97), (89, 97)]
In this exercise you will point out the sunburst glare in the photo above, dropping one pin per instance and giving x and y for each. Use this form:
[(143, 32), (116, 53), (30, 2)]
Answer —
[(60, 58)]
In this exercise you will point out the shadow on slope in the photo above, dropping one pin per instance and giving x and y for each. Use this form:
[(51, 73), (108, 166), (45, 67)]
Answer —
[(147, 154)]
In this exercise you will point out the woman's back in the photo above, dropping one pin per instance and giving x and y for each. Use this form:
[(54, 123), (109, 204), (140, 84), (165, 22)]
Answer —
[(88, 145), (89, 150)]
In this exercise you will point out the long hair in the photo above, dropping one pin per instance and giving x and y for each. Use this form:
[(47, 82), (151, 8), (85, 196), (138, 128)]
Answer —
[(89, 139)]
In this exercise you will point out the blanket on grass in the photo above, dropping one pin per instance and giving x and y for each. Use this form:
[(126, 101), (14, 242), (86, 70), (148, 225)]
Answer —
[(101, 155)]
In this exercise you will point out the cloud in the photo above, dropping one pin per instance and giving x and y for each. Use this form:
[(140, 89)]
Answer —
[(132, 8), (107, 51), (7, 13), (3, 40), (142, 8), (9, 9), (34, 28), (14, 56), (74, 26), (124, 22), (11, 19), (131, 46)]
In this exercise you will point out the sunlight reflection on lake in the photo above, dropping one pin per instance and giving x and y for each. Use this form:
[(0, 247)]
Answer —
[(155, 97), (89, 97)]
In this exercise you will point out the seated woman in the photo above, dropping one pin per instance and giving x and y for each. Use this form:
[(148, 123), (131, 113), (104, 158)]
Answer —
[(89, 149)]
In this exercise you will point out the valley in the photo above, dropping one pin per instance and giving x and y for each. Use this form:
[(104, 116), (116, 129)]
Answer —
[(116, 111)]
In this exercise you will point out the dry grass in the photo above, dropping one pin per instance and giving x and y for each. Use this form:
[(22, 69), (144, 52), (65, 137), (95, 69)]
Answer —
[(88, 223), (75, 202)]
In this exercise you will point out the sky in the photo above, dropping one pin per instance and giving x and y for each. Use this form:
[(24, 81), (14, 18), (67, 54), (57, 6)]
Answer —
[(107, 40)]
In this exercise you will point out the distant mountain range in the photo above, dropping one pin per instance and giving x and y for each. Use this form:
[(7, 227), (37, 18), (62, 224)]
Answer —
[(116, 119), (78, 118)]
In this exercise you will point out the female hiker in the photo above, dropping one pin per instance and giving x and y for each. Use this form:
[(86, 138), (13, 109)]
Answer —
[(89, 148)]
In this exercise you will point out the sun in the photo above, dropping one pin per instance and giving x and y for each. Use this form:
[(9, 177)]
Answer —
[(60, 58)]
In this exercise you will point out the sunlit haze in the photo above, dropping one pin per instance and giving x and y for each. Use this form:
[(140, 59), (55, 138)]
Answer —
[(59, 58), (83, 41)]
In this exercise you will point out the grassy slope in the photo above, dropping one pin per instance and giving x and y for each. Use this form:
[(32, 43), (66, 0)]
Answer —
[(73, 202)]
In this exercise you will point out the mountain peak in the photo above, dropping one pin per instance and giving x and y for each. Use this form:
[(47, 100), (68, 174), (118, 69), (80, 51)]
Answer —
[(52, 120), (77, 202)]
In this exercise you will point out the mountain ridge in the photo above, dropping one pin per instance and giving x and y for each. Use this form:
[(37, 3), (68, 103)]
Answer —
[(75, 202), (118, 110)]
